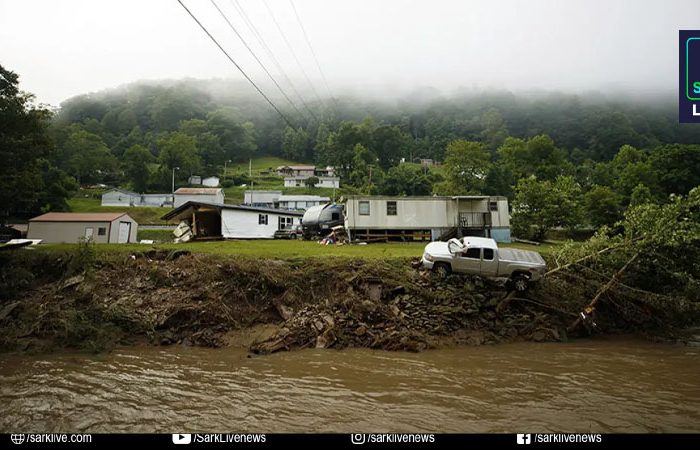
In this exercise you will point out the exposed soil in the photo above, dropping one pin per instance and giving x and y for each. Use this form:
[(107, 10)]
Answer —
[(58, 300)]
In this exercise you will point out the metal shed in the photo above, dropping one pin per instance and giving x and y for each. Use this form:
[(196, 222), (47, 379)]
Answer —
[(66, 227)]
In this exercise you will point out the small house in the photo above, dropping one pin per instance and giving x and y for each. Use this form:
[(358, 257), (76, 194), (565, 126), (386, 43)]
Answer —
[(327, 171), (435, 218), (210, 195), (66, 227), (296, 171), (219, 221), (326, 182)]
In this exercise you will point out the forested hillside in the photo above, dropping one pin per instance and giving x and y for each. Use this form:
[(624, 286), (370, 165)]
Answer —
[(592, 153)]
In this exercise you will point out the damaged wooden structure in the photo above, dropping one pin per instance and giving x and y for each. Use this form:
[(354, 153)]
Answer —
[(211, 221)]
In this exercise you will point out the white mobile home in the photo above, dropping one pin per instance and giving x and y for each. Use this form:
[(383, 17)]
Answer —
[(264, 198), (65, 227), (300, 202), (121, 197), (211, 195), (210, 182), (381, 218), (217, 221)]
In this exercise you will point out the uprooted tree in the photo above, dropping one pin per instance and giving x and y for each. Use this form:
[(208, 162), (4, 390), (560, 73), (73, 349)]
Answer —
[(651, 266)]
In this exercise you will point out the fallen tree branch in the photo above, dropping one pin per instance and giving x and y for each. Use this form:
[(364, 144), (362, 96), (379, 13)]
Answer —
[(591, 306), (598, 253), (621, 284)]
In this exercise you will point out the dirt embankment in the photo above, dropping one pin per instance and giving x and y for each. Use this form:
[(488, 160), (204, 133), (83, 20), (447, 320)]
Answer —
[(59, 300)]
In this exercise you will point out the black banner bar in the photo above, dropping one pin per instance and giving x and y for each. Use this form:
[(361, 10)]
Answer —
[(355, 441)]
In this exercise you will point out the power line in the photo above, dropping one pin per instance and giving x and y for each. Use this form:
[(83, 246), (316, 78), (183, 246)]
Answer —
[(291, 50), (213, 2), (236, 64), (313, 53), (239, 8)]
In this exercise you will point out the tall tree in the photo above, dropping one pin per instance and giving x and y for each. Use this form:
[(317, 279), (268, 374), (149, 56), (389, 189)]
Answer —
[(540, 206), (179, 150), (136, 161), (87, 157), (603, 206), (466, 164), (24, 146), (296, 145)]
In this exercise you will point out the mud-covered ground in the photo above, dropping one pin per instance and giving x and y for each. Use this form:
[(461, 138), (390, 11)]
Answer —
[(55, 300)]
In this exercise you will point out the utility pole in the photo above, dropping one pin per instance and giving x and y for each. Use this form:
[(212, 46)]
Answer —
[(173, 190), (225, 163), (250, 168), (369, 182)]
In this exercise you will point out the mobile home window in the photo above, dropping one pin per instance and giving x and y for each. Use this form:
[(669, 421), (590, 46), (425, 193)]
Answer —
[(262, 219), (364, 208), (493, 206), (101, 231), (390, 208)]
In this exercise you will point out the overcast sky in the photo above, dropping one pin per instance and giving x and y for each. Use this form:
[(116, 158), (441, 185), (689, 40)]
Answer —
[(63, 48)]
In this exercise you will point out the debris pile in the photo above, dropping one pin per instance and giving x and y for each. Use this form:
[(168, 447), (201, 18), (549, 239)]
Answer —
[(173, 297)]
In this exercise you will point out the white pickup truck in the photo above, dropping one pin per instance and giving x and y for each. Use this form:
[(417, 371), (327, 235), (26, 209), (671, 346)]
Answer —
[(481, 256)]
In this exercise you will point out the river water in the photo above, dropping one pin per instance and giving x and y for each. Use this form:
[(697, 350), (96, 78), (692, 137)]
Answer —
[(599, 386)]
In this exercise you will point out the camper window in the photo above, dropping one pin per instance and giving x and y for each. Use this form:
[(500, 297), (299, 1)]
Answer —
[(262, 219), (390, 208), (364, 208), (493, 206), (101, 231)]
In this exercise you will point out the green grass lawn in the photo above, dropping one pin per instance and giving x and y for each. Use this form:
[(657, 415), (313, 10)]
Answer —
[(165, 235), (286, 249), (142, 215)]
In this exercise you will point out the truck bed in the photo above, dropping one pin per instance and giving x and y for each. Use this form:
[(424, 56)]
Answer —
[(517, 255)]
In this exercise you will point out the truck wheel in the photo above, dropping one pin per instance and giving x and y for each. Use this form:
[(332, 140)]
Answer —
[(295, 236), (520, 282), (442, 269)]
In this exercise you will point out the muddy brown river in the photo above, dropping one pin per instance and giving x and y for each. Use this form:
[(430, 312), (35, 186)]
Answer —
[(599, 386)]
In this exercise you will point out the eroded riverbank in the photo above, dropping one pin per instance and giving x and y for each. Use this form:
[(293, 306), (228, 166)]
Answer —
[(74, 300)]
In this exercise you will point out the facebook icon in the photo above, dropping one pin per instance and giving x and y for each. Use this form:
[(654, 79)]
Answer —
[(523, 438)]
